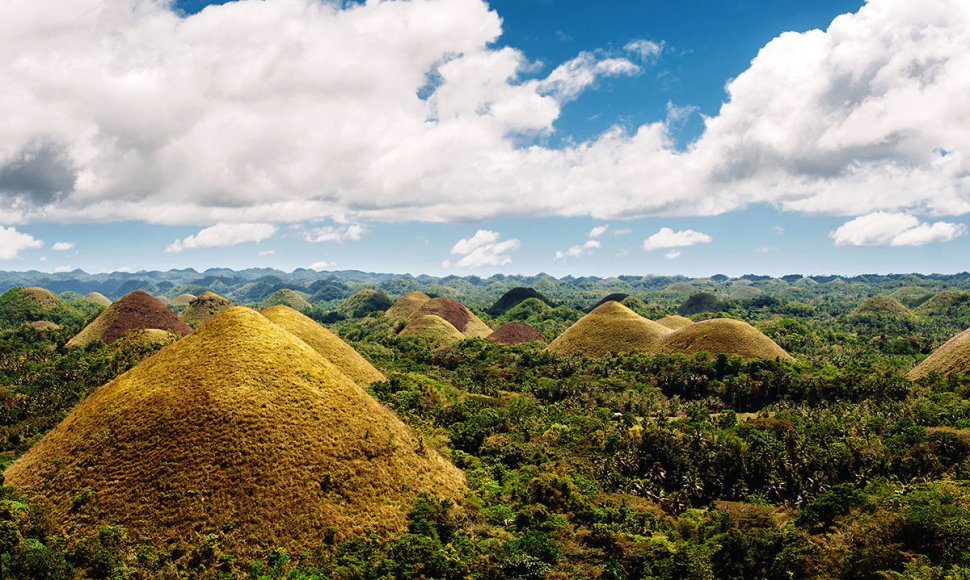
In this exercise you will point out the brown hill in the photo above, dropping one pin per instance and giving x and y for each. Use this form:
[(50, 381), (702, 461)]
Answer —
[(953, 356), (516, 333), (610, 328), (287, 297), (203, 307), (434, 329), (163, 299), (406, 306), (239, 429), (881, 307), (674, 322), (722, 335), (469, 325), (44, 325), (97, 298), (328, 344), (135, 310), (42, 297), (181, 300)]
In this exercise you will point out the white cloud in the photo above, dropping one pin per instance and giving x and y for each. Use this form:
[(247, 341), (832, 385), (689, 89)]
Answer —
[(351, 233), (221, 235), (672, 254), (830, 122), (668, 238), (266, 253), (482, 249), (13, 242), (646, 50), (622, 232), (894, 229), (321, 266), (598, 231), (63, 246), (578, 251)]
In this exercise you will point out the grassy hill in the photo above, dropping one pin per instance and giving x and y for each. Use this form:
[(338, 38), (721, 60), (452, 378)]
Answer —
[(136, 310), (722, 335), (610, 328)]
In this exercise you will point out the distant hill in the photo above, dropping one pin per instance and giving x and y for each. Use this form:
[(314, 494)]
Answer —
[(363, 303), (463, 319), (203, 307), (514, 297), (722, 336), (516, 333), (287, 297), (953, 356), (611, 328), (19, 305), (434, 329), (407, 305), (136, 310)]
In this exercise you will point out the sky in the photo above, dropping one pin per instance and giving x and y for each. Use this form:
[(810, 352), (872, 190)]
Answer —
[(469, 137)]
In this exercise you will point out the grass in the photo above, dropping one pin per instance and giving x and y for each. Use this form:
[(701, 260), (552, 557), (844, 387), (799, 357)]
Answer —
[(434, 329), (203, 307), (407, 305), (610, 328), (883, 307), (239, 429), (673, 322), (328, 344), (721, 335), (287, 297), (181, 300), (97, 298), (135, 310), (364, 302), (463, 319), (953, 356), (44, 325)]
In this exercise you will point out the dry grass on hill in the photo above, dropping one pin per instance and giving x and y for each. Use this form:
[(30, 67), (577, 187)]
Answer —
[(97, 298), (204, 307), (181, 300), (883, 307), (287, 297), (434, 329), (722, 335), (674, 321), (42, 297), (516, 333), (328, 344), (953, 356), (943, 303), (610, 328), (44, 325), (463, 319), (406, 306), (133, 311), (239, 429)]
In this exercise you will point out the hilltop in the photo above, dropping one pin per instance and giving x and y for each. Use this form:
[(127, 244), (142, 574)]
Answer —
[(722, 336), (287, 297), (610, 328), (516, 333), (136, 310), (514, 297), (203, 307), (239, 429)]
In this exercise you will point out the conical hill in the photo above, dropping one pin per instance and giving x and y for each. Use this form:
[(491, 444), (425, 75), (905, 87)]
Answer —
[(463, 319), (363, 303), (514, 297), (722, 335), (434, 329), (328, 344), (181, 301), (610, 328), (98, 298), (240, 429), (407, 305), (287, 297), (133, 311), (516, 333), (882, 307), (953, 356), (19, 305), (203, 307), (674, 321)]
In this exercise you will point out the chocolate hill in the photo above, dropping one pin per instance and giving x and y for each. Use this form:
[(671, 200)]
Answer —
[(610, 328), (881, 307), (133, 311), (434, 329), (516, 333), (947, 302), (514, 297), (407, 305), (19, 305), (203, 307), (463, 319), (240, 429), (181, 301), (721, 335), (328, 344), (674, 322), (363, 303), (97, 298), (287, 297), (953, 356)]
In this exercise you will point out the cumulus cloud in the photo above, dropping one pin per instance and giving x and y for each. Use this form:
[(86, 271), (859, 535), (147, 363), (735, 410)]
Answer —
[(482, 249), (672, 254), (63, 246), (668, 238), (221, 235), (381, 111), (578, 250), (321, 266), (340, 234), (894, 229), (13, 242), (262, 253), (598, 231)]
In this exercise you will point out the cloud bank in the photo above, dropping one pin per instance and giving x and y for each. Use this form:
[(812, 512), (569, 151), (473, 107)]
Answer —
[(222, 235), (292, 110), (482, 249)]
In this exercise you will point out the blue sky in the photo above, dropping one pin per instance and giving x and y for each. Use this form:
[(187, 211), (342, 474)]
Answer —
[(517, 136)]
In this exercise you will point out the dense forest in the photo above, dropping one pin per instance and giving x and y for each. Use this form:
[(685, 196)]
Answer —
[(837, 463)]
